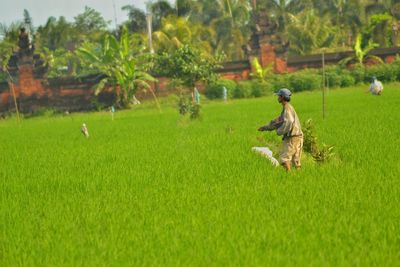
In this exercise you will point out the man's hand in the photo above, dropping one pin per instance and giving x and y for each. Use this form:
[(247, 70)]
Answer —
[(268, 127)]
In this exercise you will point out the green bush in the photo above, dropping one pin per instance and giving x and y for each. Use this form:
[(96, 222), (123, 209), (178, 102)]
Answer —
[(302, 81), (3, 76), (396, 68), (215, 90), (332, 76), (244, 89), (333, 79), (279, 81), (347, 80), (261, 88), (383, 72), (358, 73), (311, 146)]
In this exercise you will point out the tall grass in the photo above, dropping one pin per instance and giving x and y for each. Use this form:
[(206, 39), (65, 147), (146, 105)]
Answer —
[(154, 189)]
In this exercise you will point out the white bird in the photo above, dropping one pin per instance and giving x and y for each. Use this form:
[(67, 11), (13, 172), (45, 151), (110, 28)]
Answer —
[(85, 130), (376, 87)]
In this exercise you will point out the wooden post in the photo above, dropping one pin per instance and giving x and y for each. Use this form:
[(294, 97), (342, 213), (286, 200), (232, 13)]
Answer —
[(11, 84), (323, 84)]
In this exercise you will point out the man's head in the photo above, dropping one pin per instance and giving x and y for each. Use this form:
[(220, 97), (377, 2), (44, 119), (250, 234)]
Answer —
[(283, 95)]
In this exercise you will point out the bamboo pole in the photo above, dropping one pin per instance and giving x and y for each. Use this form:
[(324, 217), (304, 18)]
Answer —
[(11, 85), (323, 85)]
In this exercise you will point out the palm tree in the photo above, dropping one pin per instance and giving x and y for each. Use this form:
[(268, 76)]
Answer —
[(137, 19), (232, 27), (347, 17), (308, 33), (56, 34), (374, 8), (159, 10), (10, 32), (177, 31), (187, 8), (282, 11)]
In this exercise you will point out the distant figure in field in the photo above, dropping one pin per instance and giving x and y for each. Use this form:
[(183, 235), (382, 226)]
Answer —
[(224, 93), (196, 96), (376, 87), (288, 126), (84, 130)]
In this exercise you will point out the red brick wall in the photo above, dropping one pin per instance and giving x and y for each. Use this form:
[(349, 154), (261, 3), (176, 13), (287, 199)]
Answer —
[(390, 59), (27, 84)]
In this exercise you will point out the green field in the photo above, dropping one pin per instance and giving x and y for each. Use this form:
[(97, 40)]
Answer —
[(153, 189)]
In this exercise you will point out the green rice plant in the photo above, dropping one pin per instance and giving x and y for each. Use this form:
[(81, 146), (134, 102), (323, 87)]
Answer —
[(194, 111), (323, 154), (159, 189), (310, 138), (311, 146)]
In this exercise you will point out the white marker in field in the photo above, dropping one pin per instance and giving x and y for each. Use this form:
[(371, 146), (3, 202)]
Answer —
[(376, 87), (85, 130), (112, 110), (266, 152), (224, 93)]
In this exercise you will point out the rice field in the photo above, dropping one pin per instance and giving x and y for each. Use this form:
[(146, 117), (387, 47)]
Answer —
[(153, 189)]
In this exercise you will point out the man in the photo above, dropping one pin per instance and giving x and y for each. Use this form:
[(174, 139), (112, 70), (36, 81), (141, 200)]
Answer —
[(288, 126), (376, 87)]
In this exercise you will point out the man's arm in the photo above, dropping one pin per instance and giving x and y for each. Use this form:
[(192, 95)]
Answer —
[(273, 125)]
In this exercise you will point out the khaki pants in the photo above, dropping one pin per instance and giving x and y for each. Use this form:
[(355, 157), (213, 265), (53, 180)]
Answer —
[(291, 150)]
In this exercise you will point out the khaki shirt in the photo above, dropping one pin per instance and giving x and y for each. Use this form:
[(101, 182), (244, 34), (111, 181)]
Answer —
[(290, 122)]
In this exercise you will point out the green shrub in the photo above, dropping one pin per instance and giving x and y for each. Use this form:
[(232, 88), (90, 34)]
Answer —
[(358, 73), (261, 88), (244, 89), (332, 76), (95, 104), (333, 79), (183, 105), (302, 81), (215, 90), (279, 81), (347, 80), (194, 111), (311, 146), (3, 76), (383, 72), (396, 68)]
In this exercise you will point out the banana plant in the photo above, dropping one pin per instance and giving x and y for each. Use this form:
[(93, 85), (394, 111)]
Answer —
[(361, 52), (260, 73), (125, 69)]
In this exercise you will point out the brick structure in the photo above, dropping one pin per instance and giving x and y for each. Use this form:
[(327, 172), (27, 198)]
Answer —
[(66, 94), (27, 85), (266, 44), (33, 91)]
